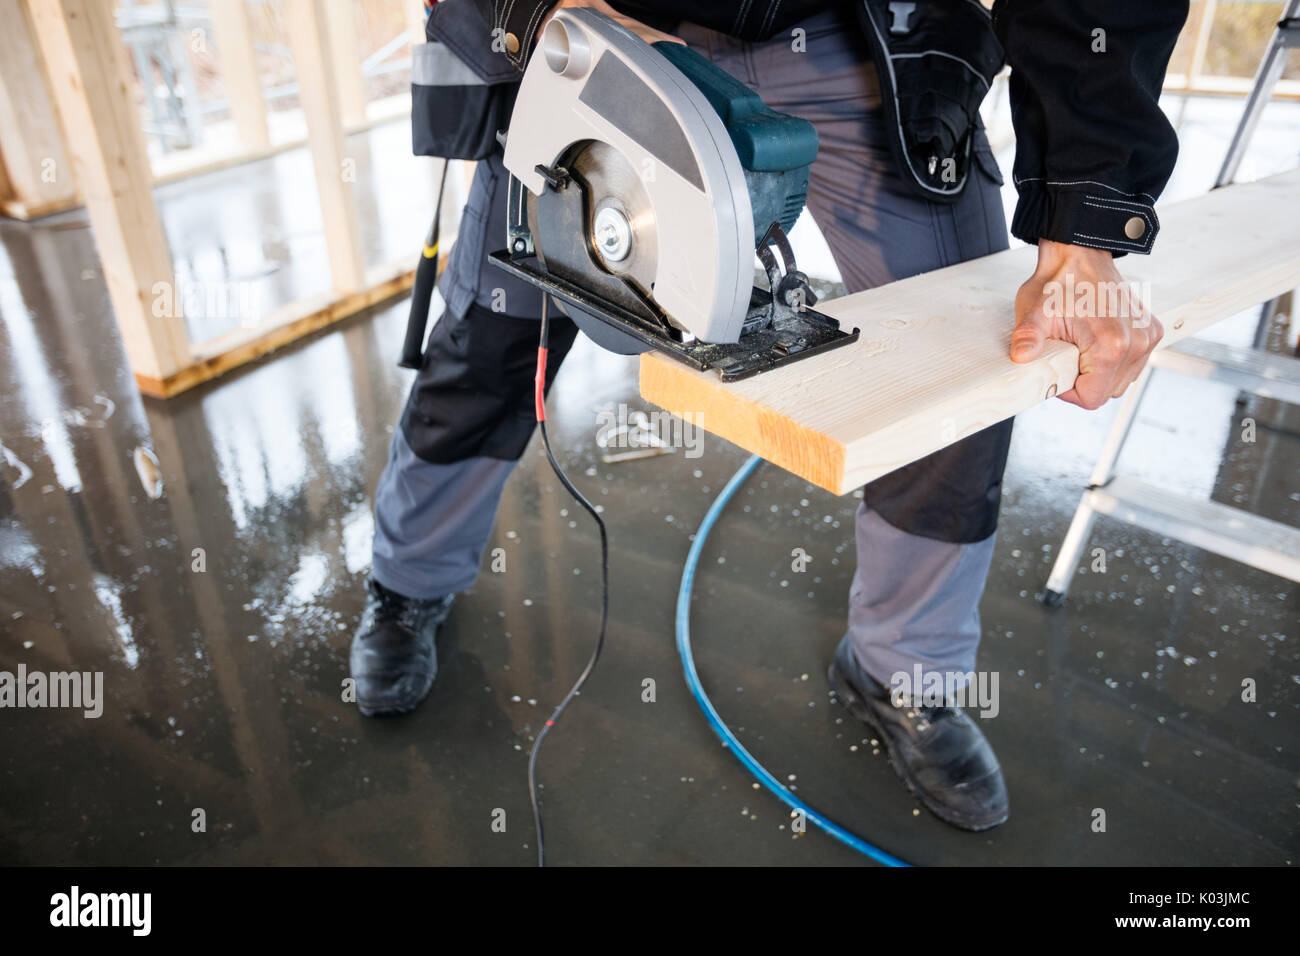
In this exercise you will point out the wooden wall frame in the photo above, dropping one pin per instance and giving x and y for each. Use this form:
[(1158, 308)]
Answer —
[(91, 86)]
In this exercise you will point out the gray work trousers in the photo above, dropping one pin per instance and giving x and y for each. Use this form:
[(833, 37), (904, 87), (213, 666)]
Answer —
[(924, 533)]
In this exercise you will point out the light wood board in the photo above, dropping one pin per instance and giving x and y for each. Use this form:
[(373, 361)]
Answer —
[(932, 363)]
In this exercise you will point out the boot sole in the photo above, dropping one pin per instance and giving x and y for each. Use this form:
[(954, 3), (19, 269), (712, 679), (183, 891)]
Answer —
[(857, 708)]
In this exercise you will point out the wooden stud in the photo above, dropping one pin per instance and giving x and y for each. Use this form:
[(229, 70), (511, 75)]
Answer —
[(335, 170), (415, 20), (92, 88), (36, 166), (932, 363), (233, 27), (346, 60), (1204, 27)]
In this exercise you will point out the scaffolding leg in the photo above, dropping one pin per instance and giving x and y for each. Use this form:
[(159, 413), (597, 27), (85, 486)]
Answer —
[(1270, 70), (1128, 410), (1285, 38), (1076, 539)]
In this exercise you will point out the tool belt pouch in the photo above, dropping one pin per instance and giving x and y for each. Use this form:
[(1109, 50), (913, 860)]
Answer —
[(936, 60), (462, 91)]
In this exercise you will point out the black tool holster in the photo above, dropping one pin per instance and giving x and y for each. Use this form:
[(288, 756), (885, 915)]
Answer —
[(936, 60), (462, 90)]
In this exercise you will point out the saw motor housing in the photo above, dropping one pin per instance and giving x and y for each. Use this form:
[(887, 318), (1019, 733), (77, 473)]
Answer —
[(776, 150)]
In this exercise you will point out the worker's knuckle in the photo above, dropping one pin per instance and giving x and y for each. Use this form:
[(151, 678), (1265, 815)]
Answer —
[(1113, 342)]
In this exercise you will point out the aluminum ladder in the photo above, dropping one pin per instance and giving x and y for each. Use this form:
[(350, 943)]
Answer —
[(1259, 542)]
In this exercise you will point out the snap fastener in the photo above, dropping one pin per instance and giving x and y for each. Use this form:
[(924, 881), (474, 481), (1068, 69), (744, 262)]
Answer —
[(512, 43), (1135, 227)]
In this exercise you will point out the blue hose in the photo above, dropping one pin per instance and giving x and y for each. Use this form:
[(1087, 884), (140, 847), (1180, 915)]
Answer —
[(697, 691)]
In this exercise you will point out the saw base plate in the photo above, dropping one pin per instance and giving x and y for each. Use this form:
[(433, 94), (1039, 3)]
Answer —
[(791, 334)]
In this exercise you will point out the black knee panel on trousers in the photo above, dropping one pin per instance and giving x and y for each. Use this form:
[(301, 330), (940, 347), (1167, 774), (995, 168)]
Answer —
[(952, 495), (473, 395)]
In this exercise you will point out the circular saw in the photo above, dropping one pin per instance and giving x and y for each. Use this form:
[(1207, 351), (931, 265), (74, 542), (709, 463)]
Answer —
[(644, 182)]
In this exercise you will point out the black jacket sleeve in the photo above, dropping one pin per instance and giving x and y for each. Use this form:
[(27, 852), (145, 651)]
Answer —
[(1093, 148), (514, 25)]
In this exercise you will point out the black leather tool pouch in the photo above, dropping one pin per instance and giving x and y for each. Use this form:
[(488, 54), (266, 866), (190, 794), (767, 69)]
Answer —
[(936, 60)]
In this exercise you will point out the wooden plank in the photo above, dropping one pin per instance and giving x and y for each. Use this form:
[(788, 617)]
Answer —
[(234, 30), (36, 163), (279, 328), (335, 171), (932, 363), (92, 88)]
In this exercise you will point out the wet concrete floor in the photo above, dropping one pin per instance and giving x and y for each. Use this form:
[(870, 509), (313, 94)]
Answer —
[(222, 686)]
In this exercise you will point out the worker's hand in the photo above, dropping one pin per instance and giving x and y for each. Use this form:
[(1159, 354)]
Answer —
[(649, 34), (1077, 295)]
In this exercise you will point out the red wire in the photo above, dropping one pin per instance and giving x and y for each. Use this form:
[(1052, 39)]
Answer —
[(539, 393)]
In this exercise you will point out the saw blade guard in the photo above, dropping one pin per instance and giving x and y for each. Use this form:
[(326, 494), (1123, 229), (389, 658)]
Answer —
[(592, 80)]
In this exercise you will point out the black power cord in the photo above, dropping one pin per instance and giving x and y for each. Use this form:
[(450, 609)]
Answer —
[(540, 401)]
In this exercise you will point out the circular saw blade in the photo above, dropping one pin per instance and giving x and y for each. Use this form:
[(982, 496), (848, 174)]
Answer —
[(612, 182)]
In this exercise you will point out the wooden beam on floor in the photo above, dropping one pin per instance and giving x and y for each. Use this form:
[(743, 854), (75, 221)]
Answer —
[(932, 364), (92, 88), (279, 328), (25, 211)]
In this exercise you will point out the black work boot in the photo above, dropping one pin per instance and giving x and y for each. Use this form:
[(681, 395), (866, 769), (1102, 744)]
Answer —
[(393, 659), (940, 753)]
